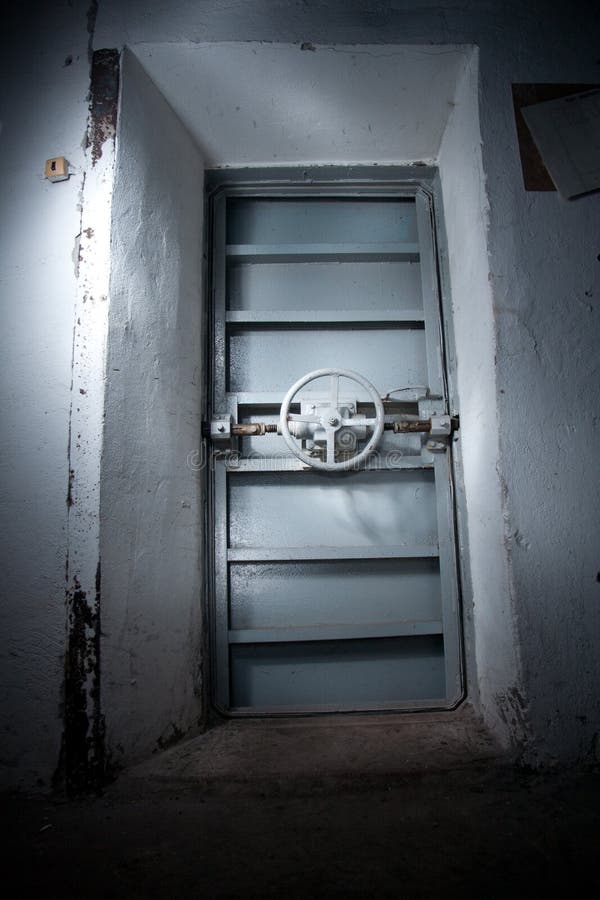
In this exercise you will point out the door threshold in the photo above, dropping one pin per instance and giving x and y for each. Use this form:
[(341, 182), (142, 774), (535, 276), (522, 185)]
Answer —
[(354, 748)]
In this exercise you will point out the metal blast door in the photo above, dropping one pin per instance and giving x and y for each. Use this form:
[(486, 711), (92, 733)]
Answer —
[(333, 566)]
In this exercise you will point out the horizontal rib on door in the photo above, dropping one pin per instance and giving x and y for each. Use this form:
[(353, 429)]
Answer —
[(324, 317), (274, 253), (334, 632), (398, 551)]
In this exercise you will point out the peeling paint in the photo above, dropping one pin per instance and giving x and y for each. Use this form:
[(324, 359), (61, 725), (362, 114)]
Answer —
[(82, 762), (75, 256), (104, 93)]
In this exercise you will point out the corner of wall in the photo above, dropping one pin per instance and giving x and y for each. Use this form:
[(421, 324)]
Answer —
[(488, 592), (151, 502), (82, 759)]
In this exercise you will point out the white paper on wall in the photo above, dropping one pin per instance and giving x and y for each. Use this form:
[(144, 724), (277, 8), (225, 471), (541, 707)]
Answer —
[(567, 134)]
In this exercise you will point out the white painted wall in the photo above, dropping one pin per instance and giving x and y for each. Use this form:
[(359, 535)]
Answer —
[(43, 111), (492, 644), (151, 513), (545, 276)]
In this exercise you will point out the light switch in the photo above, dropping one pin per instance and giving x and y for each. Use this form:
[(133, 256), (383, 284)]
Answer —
[(57, 169)]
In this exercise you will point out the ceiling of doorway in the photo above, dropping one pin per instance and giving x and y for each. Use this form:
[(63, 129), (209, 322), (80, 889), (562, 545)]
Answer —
[(253, 103)]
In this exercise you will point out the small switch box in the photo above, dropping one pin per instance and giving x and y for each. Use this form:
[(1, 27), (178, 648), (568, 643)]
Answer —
[(57, 169)]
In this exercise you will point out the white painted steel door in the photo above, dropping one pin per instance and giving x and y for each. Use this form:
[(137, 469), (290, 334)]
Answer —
[(330, 591)]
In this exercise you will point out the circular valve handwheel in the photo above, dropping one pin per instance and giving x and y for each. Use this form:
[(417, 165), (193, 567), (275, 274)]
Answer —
[(330, 418)]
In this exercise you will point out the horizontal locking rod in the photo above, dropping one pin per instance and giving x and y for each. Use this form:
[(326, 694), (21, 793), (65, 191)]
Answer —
[(255, 428), (402, 426)]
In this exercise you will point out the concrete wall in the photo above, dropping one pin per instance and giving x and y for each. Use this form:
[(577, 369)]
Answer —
[(151, 542), (491, 639), (43, 113), (545, 277), (544, 283)]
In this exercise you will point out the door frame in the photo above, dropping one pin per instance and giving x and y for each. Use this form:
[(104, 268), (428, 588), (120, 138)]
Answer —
[(385, 181)]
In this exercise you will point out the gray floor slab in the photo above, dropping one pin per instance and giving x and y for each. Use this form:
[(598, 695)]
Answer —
[(237, 752)]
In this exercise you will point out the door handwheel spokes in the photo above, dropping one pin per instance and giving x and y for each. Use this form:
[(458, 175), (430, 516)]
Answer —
[(332, 420)]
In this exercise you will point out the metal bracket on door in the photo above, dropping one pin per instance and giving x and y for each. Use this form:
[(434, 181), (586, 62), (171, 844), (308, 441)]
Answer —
[(219, 429)]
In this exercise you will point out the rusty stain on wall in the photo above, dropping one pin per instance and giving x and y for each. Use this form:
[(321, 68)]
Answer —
[(82, 764), (82, 760), (104, 95)]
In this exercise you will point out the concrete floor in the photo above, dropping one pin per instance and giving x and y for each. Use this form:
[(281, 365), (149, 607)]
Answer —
[(359, 806)]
